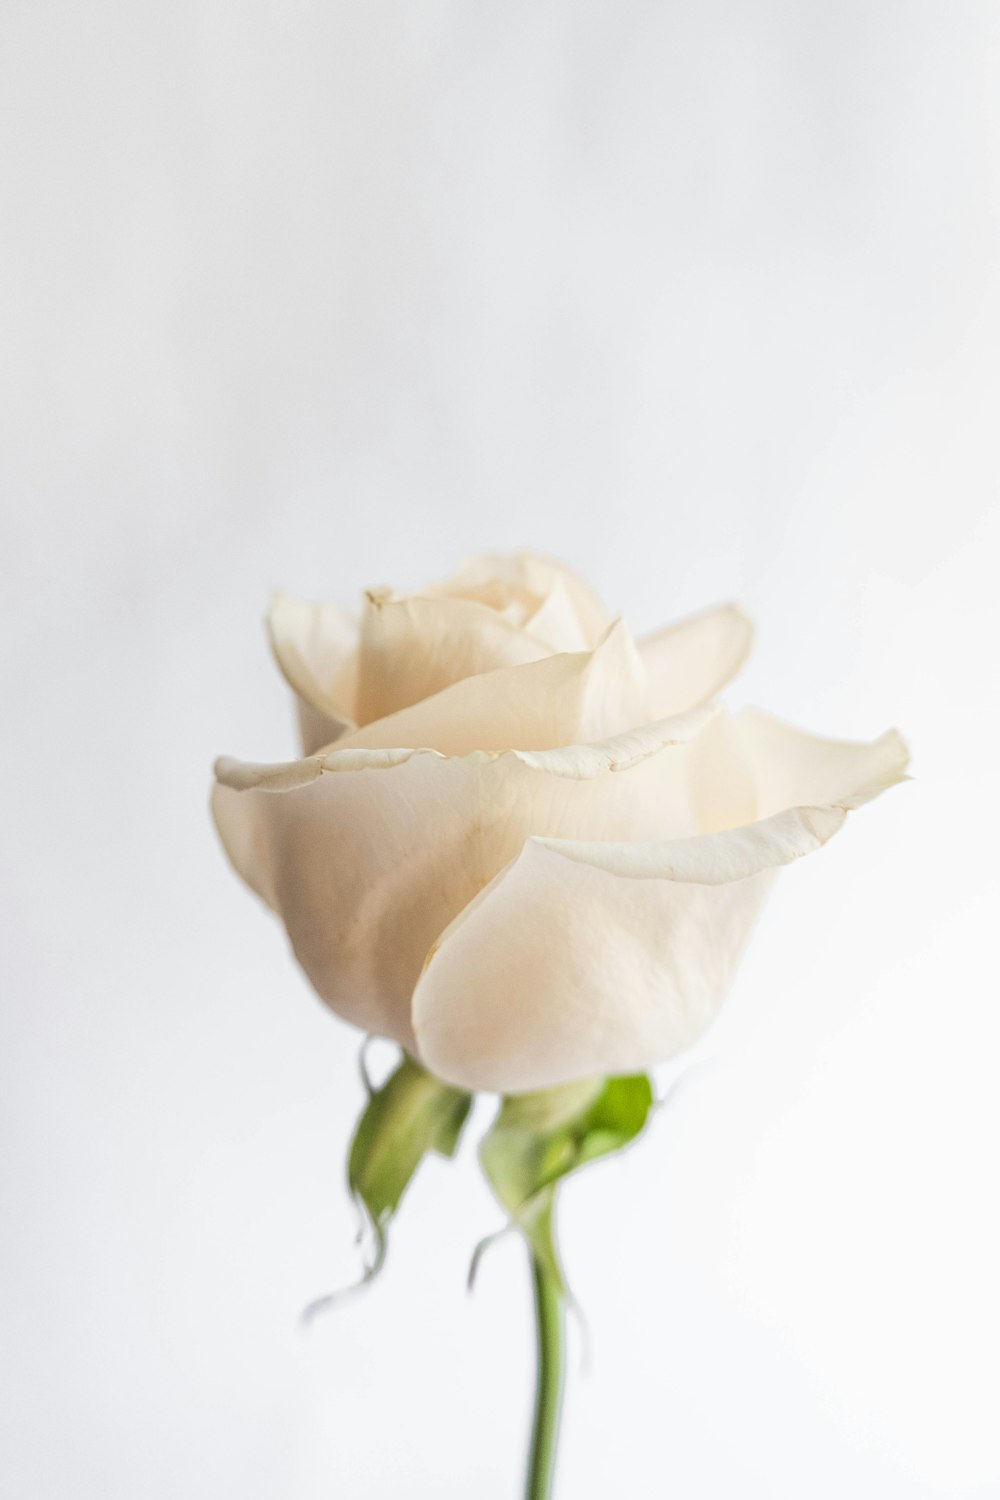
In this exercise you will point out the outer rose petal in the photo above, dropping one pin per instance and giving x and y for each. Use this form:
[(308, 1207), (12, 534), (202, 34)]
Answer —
[(564, 967), (368, 866), (790, 766), (721, 777), (689, 662), (245, 842), (622, 752), (364, 869), (414, 647), (582, 959), (585, 958)]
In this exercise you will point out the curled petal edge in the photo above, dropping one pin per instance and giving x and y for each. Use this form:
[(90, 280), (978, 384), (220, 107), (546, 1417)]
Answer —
[(793, 767), (595, 957), (576, 762), (649, 988), (634, 943)]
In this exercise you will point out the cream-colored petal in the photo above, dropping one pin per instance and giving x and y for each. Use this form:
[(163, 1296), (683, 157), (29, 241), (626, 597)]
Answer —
[(791, 767), (571, 698), (631, 957), (412, 648), (606, 956), (556, 622), (598, 958), (569, 605), (316, 647), (363, 869), (317, 730), (720, 776), (239, 830), (367, 869), (497, 580), (689, 662), (548, 599), (292, 775)]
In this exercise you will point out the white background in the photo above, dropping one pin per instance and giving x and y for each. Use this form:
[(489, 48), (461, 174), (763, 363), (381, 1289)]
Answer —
[(703, 298)]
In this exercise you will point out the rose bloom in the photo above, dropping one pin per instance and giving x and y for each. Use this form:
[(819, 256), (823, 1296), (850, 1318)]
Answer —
[(521, 844)]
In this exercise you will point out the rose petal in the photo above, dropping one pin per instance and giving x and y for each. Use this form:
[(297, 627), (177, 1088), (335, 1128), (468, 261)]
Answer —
[(689, 662), (292, 775), (538, 707), (497, 581), (364, 870), (575, 762), (546, 598), (574, 697), (316, 647), (791, 767), (600, 958), (317, 730), (585, 957), (563, 593), (412, 648), (367, 870), (241, 836), (556, 622), (721, 776)]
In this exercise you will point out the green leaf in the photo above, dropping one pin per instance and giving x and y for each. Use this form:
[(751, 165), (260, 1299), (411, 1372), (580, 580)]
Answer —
[(411, 1114), (538, 1139)]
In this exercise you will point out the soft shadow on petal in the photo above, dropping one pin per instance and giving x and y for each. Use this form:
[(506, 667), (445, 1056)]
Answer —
[(412, 648), (316, 647), (364, 869), (317, 730), (689, 662), (246, 844), (570, 698)]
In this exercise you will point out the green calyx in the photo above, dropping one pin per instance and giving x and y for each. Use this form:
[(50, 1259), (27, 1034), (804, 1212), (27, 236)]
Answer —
[(538, 1139), (535, 1141), (411, 1114)]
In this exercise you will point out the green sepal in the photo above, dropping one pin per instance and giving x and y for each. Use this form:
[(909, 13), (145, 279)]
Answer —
[(411, 1114), (538, 1139)]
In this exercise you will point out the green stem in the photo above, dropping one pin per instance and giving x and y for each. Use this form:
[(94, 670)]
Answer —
[(550, 1327)]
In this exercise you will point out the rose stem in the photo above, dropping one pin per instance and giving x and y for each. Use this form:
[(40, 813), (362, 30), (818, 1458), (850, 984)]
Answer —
[(550, 1328)]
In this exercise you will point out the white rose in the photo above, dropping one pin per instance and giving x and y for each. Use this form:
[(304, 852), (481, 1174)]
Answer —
[(522, 845)]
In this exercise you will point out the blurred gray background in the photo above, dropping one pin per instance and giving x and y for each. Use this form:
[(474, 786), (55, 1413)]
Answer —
[(703, 298)]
